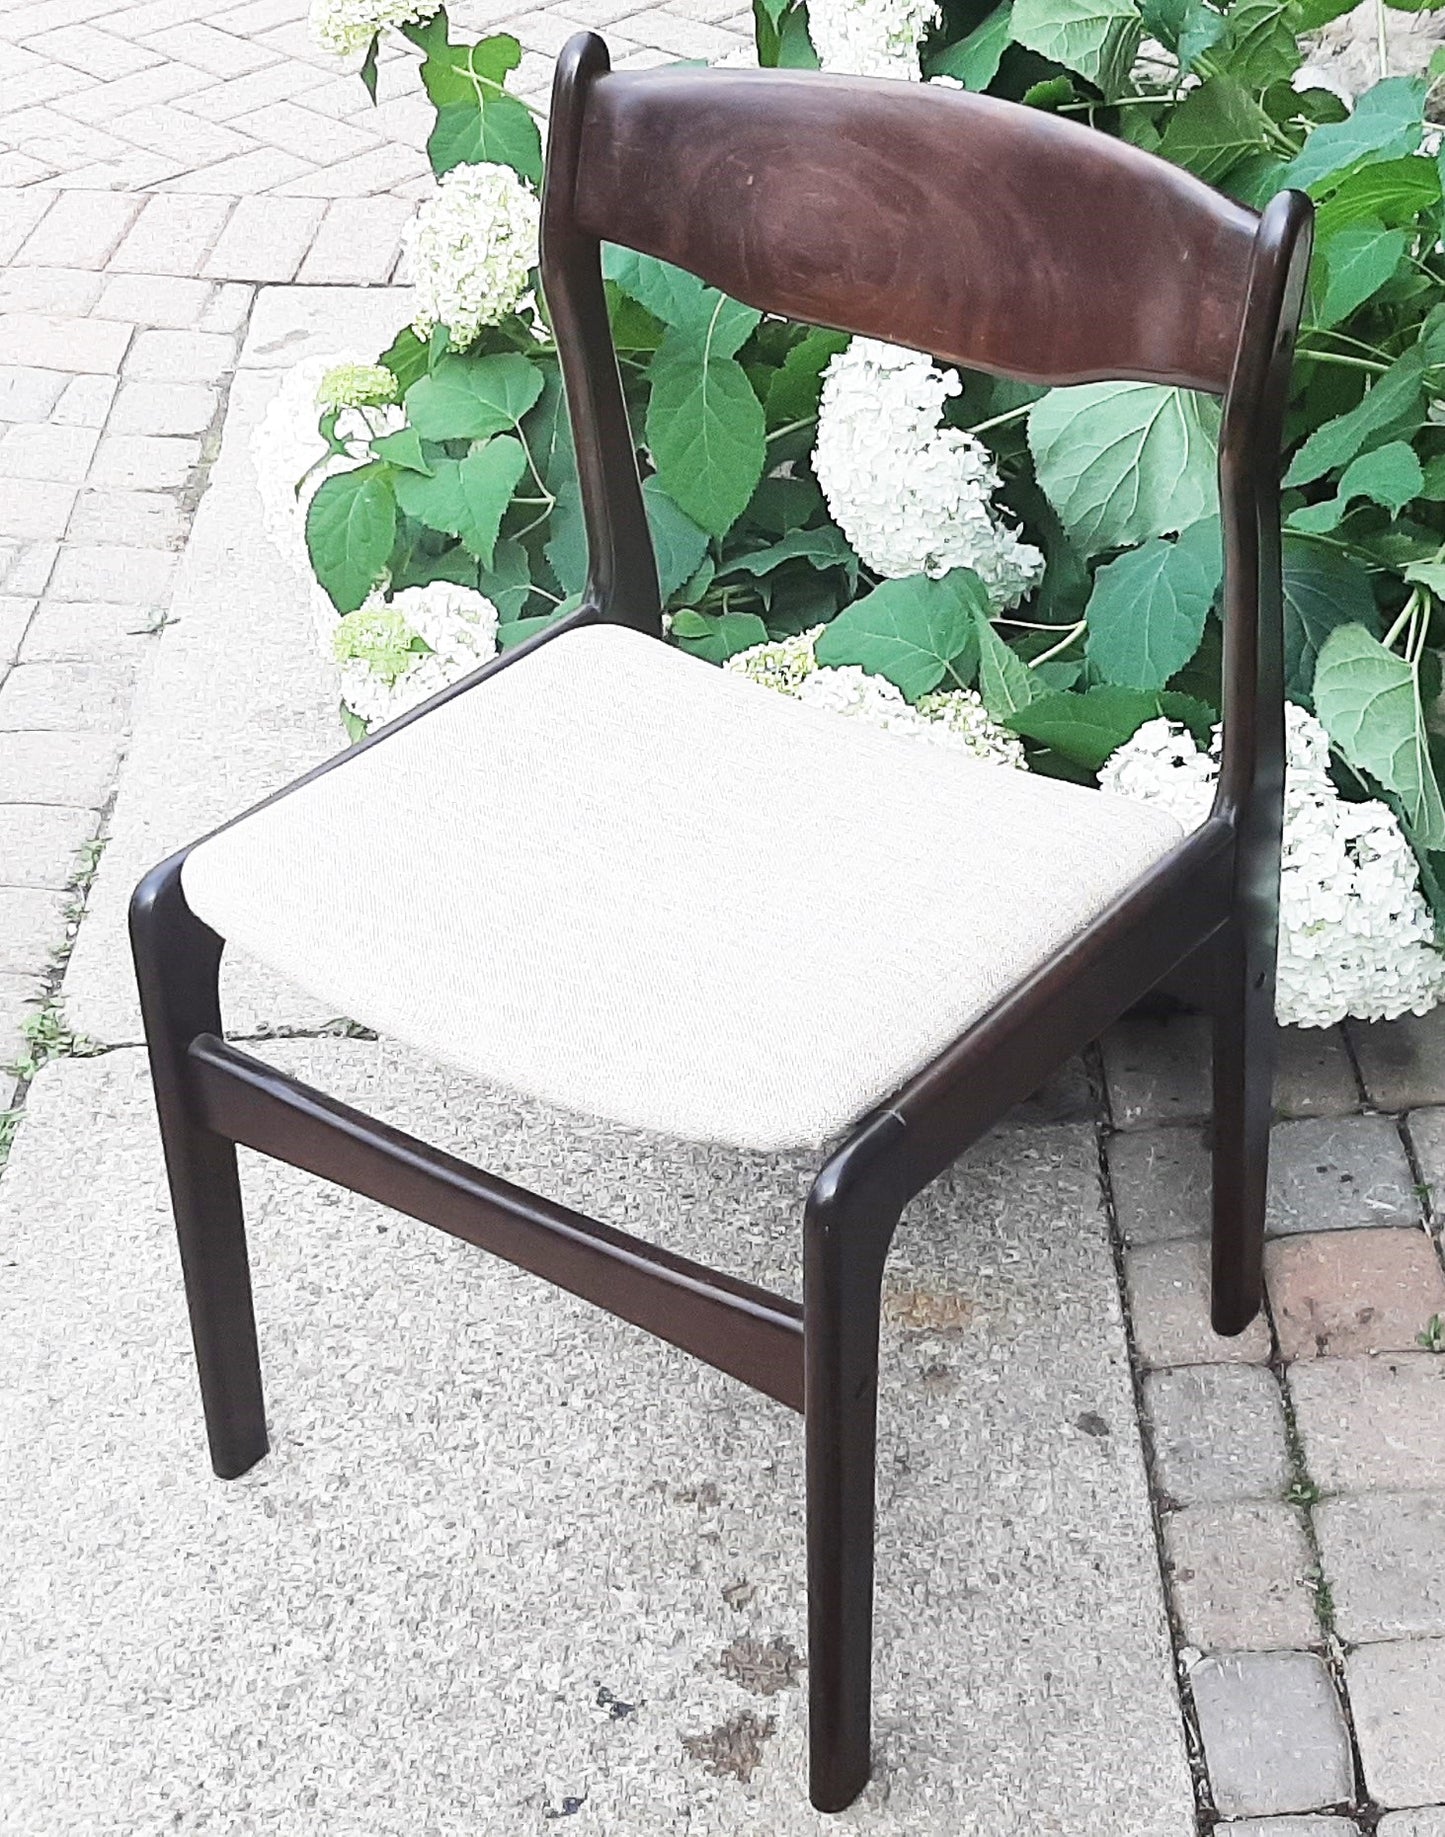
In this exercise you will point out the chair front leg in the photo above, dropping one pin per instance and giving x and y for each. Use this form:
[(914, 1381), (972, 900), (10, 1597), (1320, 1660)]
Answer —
[(843, 1277), (177, 962)]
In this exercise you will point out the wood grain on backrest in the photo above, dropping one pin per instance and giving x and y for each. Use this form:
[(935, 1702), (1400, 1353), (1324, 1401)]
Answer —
[(985, 233)]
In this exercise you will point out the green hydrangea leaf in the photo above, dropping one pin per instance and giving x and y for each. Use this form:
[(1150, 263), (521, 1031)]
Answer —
[(1368, 701), (477, 120), (825, 547), (1357, 262), (908, 630), (1322, 589), (1387, 122), (1392, 407), (1086, 727), (1121, 462), (407, 358), (403, 448), (717, 637), (1392, 192), (350, 530), (1005, 681), (513, 632), (1147, 611), (468, 497), (1389, 475), (1429, 574), (676, 540), (974, 60), (1188, 28), (1260, 46), (470, 398), (705, 431), (508, 582), (566, 548), (1095, 38), (681, 300), (1310, 15), (798, 381), (1214, 128)]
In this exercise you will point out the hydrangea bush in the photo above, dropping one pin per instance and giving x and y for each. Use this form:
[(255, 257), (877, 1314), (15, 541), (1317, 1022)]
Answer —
[(915, 545)]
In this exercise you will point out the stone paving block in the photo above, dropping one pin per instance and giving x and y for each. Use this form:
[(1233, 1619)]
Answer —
[(1429, 1821), (1161, 1182), (196, 43), (188, 141), (181, 357), (82, 229), (26, 567), (1290, 1827), (1169, 1305), (51, 343), (358, 241), (1344, 1293), (34, 510), (380, 170), (135, 519), (28, 394), (14, 617), (1240, 1576), (229, 304), (67, 697), (1402, 1062), (140, 577), (1382, 1553), (1157, 1069), (295, 129), (1367, 1423), (1397, 1694), (224, 101), (98, 54), (138, 462), (1338, 1173), (61, 454), (689, 38), (39, 844), (265, 239), (287, 325), (85, 403), (164, 408), (49, 767), (1426, 1129), (1274, 1735), (240, 177), (20, 211), (32, 922), (1218, 1433), (20, 996), (172, 301), (105, 102), (47, 135), (173, 235), (71, 631), (48, 290)]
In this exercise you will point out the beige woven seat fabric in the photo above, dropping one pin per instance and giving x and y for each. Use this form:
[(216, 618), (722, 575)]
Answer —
[(635, 885)]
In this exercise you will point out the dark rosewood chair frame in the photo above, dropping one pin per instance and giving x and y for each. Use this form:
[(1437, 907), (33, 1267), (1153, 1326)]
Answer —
[(993, 236)]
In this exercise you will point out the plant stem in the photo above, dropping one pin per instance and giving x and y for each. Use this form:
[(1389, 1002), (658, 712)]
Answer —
[(1063, 644), (1328, 331), (791, 427), (1014, 414), (1383, 39), (1342, 362), (1406, 615)]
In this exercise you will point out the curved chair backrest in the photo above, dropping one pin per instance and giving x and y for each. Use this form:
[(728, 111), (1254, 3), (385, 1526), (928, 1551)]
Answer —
[(982, 232)]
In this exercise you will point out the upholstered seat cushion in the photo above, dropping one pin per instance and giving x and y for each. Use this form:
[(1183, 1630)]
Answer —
[(635, 885)]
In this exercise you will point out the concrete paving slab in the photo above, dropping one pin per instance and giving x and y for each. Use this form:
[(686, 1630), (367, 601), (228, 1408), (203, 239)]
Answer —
[(493, 1517)]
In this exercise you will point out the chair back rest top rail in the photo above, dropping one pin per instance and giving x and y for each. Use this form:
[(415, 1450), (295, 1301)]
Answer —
[(986, 234)]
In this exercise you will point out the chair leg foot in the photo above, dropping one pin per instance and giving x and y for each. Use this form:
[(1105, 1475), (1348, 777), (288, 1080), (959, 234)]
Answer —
[(177, 966), (842, 1298), (1244, 1053)]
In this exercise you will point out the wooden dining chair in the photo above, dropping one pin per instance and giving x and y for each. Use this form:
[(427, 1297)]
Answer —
[(608, 874)]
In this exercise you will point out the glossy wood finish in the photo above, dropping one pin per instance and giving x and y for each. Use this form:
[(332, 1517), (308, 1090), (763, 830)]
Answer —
[(999, 237)]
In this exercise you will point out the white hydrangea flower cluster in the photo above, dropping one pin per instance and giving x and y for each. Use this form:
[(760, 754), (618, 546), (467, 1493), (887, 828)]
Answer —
[(346, 27), (911, 495), (1356, 937), (394, 653), (471, 250), (947, 717), (870, 38), (290, 456)]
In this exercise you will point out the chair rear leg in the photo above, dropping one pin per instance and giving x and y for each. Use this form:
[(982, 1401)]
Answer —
[(843, 1277), (1244, 1053), (177, 966)]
